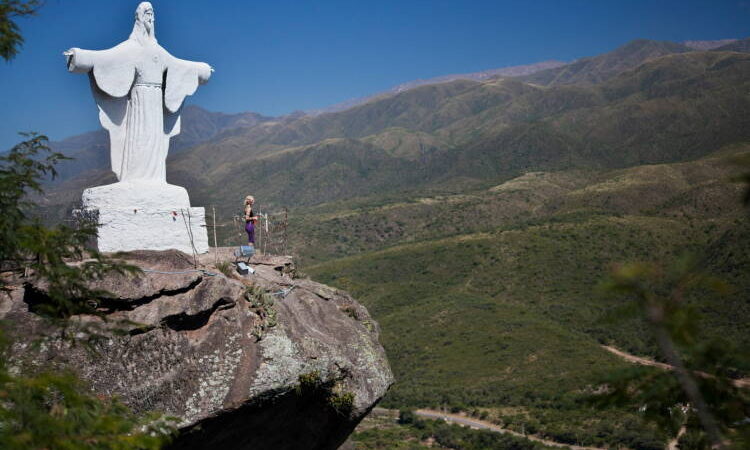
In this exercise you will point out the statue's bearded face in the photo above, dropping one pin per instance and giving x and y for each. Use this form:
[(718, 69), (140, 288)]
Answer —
[(148, 18)]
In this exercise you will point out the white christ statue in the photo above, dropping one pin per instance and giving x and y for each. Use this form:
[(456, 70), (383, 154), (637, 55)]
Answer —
[(139, 89)]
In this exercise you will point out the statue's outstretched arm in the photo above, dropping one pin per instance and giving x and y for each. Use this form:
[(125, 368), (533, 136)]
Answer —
[(183, 78), (80, 61), (113, 69)]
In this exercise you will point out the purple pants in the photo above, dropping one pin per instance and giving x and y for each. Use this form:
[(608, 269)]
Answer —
[(250, 232)]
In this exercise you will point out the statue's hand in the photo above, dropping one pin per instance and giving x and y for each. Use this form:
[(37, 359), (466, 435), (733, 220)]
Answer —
[(203, 74), (69, 55)]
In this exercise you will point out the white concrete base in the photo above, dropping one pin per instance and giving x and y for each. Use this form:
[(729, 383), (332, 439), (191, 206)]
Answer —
[(146, 216), (142, 195)]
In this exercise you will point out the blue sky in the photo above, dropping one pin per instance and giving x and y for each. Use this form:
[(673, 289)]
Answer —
[(278, 56)]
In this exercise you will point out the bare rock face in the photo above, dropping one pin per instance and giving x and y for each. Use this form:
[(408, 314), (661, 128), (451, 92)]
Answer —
[(262, 361)]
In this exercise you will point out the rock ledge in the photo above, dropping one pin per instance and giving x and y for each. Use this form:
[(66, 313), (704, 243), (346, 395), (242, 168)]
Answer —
[(261, 361)]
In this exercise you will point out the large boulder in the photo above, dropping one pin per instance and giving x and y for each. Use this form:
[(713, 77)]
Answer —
[(265, 360)]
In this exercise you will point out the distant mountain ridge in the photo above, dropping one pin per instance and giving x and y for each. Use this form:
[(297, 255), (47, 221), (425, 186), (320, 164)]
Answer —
[(741, 45), (512, 71), (708, 45), (600, 68), (530, 69)]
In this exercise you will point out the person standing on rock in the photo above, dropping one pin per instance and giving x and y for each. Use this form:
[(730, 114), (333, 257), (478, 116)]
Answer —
[(250, 220)]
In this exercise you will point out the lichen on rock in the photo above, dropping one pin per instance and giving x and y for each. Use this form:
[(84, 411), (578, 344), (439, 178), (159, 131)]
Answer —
[(224, 355)]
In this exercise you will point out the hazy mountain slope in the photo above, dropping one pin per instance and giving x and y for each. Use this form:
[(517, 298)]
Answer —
[(672, 108), (200, 125), (603, 67), (708, 45), (91, 150), (742, 45), (513, 71)]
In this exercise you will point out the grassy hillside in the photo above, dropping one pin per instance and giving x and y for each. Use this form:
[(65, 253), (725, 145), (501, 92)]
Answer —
[(503, 319), (696, 189), (512, 320), (384, 433)]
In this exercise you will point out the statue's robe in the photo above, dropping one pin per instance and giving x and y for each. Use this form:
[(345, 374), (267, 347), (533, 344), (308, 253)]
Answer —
[(139, 89)]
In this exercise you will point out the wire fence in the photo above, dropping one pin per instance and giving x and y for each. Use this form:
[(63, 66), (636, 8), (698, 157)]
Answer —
[(271, 236), (270, 231)]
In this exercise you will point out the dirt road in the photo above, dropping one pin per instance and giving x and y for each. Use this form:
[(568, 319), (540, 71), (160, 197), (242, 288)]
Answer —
[(742, 382), (482, 425)]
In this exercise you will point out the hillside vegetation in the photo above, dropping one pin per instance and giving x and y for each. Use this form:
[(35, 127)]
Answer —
[(683, 191), (511, 319)]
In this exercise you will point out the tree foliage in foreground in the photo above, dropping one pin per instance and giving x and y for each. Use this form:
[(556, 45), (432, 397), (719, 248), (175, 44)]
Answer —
[(698, 393), (10, 33), (56, 410), (31, 248)]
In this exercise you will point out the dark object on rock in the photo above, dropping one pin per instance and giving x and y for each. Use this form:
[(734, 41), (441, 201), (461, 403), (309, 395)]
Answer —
[(239, 366), (242, 268)]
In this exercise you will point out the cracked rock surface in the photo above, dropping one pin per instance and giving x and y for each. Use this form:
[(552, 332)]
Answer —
[(299, 371)]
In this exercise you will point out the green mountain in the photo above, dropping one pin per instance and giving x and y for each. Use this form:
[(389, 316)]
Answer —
[(337, 229), (454, 136)]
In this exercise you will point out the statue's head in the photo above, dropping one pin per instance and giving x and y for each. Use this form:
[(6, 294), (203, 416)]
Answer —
[(143, 29), (144, 13)]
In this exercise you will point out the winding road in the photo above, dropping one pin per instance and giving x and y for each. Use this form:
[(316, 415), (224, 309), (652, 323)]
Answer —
[(484, 425), (741, 382)]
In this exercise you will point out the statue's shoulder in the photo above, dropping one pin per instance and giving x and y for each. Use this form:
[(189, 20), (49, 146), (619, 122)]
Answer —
[(123, 49), (164, 53), (124, 45)]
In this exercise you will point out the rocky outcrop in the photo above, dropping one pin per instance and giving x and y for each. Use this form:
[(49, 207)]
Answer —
[(265, 360)]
